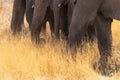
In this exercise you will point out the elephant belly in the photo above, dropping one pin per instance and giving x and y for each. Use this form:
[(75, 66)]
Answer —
[(111, 9)]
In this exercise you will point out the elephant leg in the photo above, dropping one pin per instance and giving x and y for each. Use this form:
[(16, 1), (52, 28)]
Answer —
[(91, 33), (70, 10), (43, 28), (104, 35), (29, 10), (19, 7), (82, 16), (75, 38), (52, 25), (56, 19), (48, 17), (38, 19), (64, 22)]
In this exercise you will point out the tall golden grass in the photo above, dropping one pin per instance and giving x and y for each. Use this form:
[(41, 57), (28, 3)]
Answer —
[(21, 60)]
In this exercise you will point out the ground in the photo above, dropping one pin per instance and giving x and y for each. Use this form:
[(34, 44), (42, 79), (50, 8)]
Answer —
[(21, 60)]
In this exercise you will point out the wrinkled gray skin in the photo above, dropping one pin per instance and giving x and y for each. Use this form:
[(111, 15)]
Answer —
[(21, 7), (101, 12)]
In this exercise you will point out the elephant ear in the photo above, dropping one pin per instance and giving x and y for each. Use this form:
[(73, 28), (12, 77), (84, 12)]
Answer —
[(111, 9)]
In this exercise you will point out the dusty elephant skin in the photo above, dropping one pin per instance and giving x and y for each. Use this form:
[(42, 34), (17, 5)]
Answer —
[(102, 12)]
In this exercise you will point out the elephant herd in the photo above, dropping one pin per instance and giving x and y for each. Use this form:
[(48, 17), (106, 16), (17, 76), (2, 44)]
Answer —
[(75, 19)]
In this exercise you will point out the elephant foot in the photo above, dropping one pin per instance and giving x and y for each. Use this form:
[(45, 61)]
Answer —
[(105, 66)]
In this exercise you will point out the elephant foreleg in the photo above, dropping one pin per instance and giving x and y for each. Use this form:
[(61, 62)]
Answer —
[(104, 35)]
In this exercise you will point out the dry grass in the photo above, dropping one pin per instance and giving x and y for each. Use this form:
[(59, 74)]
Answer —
[(0, 7), (21, 60)]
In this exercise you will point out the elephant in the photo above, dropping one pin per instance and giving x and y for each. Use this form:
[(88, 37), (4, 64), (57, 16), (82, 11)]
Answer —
[(102, 13), (22, 7), (42, 7)]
